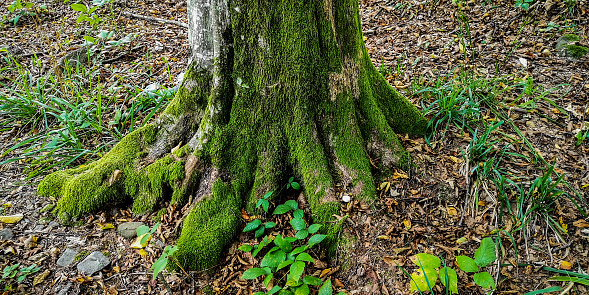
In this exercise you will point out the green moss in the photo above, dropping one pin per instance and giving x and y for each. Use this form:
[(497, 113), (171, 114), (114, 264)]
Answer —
[(160, 214), (575, 51), (81, 255), (193, 93), (209, 227)]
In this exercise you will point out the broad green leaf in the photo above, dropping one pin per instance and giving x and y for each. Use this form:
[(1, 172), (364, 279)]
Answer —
[(251, 226), (158, 266), (296, 270), (291, 239), (267, 279), (314, 228), (259, 232), (290, 179), (291, 282), (284, 264), (281, 209), (292, 204), (91, 40), (311, 280), (295, 185), (246, 248), (282, 243), (142, 230), (305, 257), (274, 290), (302, 234), (302, 290), (426, 260), (449, 275), (316, 239), (484, 279), (423, 280), (298, 250), (273, 259), (485, 254), (154, 228), (326, 288), (298, 213), (467, 264), (298, 223), (79, 7), (253, 273), (269, 224), (268, 194), (265, 241)]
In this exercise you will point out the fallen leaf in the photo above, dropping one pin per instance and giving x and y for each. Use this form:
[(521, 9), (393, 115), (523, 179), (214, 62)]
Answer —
[(402, 249), (581, 223), (324, 272), (11, 218), (31, 242), (116, 269), (40, 277), (452, 211), (398, 175), (565, 265), (338, 283), (384, 237), (106, 226), (407, 223), (138, 245), (116, 175), (143, 253)]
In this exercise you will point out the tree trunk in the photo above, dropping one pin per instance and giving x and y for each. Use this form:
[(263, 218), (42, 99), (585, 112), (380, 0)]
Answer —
[(274, 89)]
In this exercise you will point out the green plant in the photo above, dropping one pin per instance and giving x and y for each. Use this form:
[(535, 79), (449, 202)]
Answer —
[(25, 271), (87, 13), (162, 262), (288, 252), (145, 233), (383, 69), (426, 276), (483, 256), (21, 8), (10, 271), (525, 4), (581, 136)]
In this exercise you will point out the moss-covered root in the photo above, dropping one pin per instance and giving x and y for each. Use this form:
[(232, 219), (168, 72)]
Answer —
[(210, 226)]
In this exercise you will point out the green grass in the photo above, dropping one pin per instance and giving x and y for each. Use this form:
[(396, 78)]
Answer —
[(70, 117)]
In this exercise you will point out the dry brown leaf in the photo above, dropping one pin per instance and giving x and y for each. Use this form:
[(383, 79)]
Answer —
[(41, 277), (581, 223), (116, 175)]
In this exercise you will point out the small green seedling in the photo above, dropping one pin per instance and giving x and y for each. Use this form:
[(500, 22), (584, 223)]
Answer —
[(483, 256), (25, 271), (162, 262), (146, 232), (426, 277), (10, 271)]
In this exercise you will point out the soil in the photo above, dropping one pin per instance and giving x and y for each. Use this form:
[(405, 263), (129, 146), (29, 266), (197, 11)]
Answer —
[(437, 208)]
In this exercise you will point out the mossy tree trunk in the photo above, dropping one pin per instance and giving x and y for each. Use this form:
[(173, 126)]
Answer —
[(274, 89)]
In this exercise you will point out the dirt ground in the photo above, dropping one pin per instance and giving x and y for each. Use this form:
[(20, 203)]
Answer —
[(431, 209)]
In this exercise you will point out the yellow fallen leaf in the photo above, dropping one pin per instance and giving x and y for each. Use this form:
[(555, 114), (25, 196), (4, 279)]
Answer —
[(452, 211), (40, 277), (324, 272), (407, 223), (461, 240), (398, 175), (563, 225), (143, 253), (138, 245), (454, 159), (402, 249), (11, 218), (384, 237), (482, 203), (31, 242), (565, 265), (117, 269), (106, 226)]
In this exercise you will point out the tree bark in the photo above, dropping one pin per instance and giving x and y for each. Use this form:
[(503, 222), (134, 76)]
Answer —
[(274, 89)]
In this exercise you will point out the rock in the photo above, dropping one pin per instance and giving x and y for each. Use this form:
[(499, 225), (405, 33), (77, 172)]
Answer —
[(64, 290), (95, 262), (67, 257), (6, 234), (568, 46), (129, 229)]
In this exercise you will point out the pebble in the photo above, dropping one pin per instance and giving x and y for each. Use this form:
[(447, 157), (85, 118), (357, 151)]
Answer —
[(67, 257), (95, 262), (129, 229), (6, 234)]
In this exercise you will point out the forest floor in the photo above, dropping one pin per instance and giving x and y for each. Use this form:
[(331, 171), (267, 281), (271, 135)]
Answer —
[(472, 64)]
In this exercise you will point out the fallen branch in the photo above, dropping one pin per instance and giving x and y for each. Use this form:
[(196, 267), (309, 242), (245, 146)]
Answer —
[(156, 19)]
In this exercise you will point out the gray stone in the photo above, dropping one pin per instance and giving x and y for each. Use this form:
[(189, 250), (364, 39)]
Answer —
[(67, 257), (64, 290), (95, 262), (129, 229), (6, 234)]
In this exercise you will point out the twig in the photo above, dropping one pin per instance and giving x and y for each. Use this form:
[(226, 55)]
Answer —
[(156, 19), (163, 280)]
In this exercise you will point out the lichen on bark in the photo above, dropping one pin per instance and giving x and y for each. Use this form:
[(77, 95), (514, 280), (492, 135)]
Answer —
[(273, 90)]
